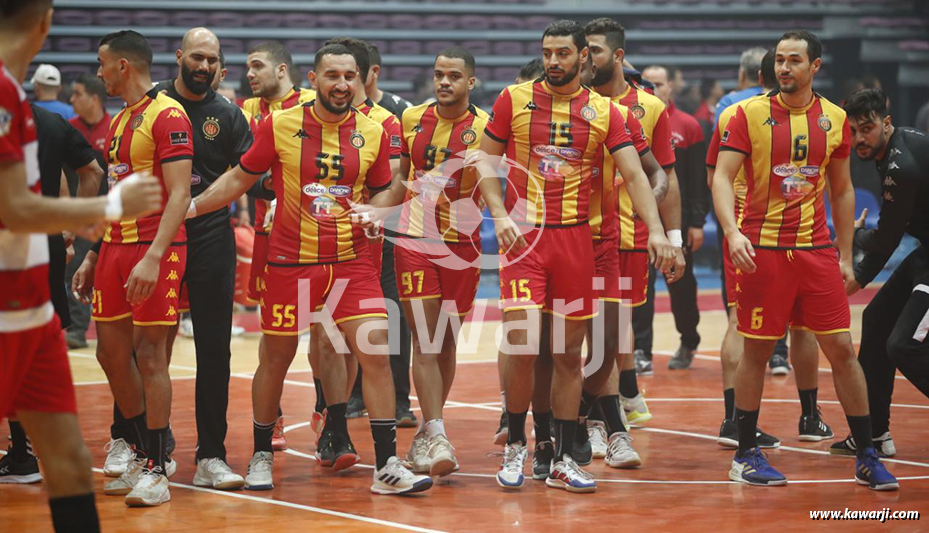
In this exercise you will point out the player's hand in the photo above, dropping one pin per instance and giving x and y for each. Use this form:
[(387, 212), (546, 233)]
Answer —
[(860, 222), (508, 236), (661, 253), (142, 280), (741, 252), (141, 195), (694, 239), (852, 286), (245, 219), (82, 284), (69, 253), (677, 271), (364, 215), (92, 232), (848, 273), (68, 238)]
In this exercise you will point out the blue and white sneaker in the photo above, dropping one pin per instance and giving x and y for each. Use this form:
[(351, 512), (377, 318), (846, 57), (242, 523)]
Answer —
[(567, 475), (510, 475), (871, 472), (752, 468)]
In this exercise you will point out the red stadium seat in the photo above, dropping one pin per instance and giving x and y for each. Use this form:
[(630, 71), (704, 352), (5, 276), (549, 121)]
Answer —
[(112, 17), (434, 47), (300, 20), (226, 19), (73, 17), (151, 18)]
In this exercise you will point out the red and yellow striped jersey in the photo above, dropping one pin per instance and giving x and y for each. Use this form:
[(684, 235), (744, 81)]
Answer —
[(388, 121), (319, 169), (554, 139), (789, 150), (437, 148), (656, 126), (256, 109), (142, 137), (712, 154), (604, 217)]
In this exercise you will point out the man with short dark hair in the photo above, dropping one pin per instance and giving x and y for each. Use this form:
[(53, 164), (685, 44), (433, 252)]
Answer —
[(894, 323), (389, 101)]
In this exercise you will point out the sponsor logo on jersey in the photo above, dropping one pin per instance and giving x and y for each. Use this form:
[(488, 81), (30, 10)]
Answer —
[(418, 128), (119, 169), (357, 140), (795, 188), (785, 170), (561, 152), (725, 138), (395, 141), (211, 128), (6, 122), (340, 191), (179, 138), (314, 189), (195, 179), (809, 171)]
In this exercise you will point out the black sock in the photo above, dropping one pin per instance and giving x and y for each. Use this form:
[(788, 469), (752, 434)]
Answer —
[(335, 418), (384, 431), (808, 402), (137, 432), (595, 412), (121, 428), (612, 417), (747, 422), (729, 399), (320, 396), (861, 432), (157, 444), (20, 449), (542, 422), (628, 386), (565, 431), (587, 402), (75, 514), (517, 427), (280, 412), (261, 434)]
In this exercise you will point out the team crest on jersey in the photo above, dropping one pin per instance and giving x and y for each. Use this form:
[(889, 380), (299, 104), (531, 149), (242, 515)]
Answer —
[(136, 122), (357, 140), (637, 111), (824, 123), (588, 113), (6, 121), (469, 136), (211, 128)]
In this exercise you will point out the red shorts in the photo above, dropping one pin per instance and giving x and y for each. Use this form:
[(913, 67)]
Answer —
[(259, 260), (558, 266), (114, 265), (799, 288), (34, 371), (730, 272), (633, 264), (376, 247), (349, 290), (428, 269), (606, 265)]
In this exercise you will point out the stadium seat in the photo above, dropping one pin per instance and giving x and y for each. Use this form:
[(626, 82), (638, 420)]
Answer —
[(334, 22), (150, 18), (507, 22), (74, 44), (475, 22), (267, 20), (302, 46), (440, 22), (405, 73), (434, 47), (371, 21), (162, 45), (538, 22), (188, 19), (112, 17), (233, 46), (73, 17), (477, 48), (508, 48), (407, 47), (300, 20), (406, 22), (226, 19)]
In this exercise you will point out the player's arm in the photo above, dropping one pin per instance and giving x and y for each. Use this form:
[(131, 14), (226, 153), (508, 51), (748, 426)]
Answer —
[(643, 201), (843, 214), (894, 217), (24, 211), (90, 177), (698, 193), (727, 167), (670, 210)]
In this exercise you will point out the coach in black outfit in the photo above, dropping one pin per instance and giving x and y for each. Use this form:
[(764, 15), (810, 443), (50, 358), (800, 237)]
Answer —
[(896, 322)]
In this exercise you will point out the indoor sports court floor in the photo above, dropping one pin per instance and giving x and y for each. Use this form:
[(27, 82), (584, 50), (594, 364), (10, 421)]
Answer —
[(682, 485)]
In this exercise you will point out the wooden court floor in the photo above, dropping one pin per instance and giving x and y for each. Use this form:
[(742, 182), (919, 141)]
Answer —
[(682, 485)]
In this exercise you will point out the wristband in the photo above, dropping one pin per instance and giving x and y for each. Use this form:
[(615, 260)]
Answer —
[(674, 235)]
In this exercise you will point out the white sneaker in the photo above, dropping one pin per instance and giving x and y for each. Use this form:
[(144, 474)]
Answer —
[(596, 433), (170, 467), (567, 475), (118, 456), (127, 480), (214, 472), (237, 331), (418, 456), (885, 445), (636, 410), (186, 327), (620, 453), (150, 491), (511, 475), (442, 461), (260, 470), (396, 478)]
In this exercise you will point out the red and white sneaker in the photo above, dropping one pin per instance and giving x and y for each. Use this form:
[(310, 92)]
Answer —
[(278, 440), (317, 421)]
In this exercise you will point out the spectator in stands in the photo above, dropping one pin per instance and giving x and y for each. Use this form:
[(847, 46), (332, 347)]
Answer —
[(690, 153), (46, 84), (749, 65), (88, 96), (710, 94)]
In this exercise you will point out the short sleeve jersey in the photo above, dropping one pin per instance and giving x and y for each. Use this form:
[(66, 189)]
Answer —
[(553, 141), (438, 149), (320, 168), (143, 137), (388, 121), (789, 150)]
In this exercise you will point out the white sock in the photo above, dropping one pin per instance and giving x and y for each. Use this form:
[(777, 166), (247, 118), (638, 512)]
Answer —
[(435, 427)]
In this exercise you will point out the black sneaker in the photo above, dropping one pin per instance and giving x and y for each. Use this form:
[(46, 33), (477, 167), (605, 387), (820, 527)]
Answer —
[(779, 365), (171, 444), (883, 445), (729, 436), (503, 431), (12, 471), (643, 363), (343, 453), (355, 407), (582, 452), (542, 460), (813, 429), (325, 449), (682, 359), (405, 417)]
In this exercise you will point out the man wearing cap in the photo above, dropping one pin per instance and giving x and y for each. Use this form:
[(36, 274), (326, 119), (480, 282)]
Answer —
[(46, 83)]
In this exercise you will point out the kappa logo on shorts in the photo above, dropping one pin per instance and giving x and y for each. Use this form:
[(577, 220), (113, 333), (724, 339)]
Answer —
[(171, 311), (171, 293), (174, 258), (179, 138), (172, 276)]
